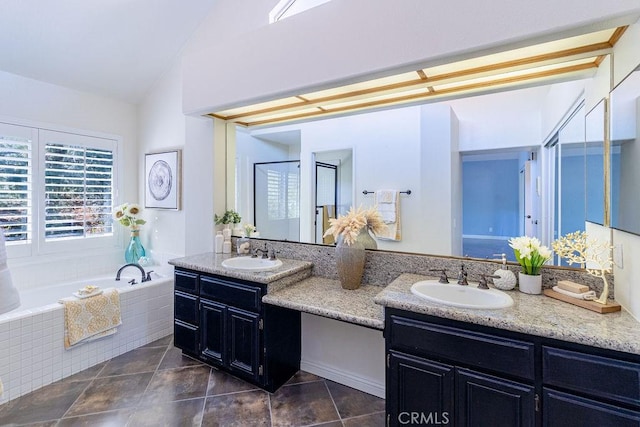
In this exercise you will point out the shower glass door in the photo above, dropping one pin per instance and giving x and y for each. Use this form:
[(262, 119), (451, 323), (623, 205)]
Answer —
[(276, 199)]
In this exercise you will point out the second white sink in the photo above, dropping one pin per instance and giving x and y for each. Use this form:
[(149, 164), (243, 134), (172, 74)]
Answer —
[(461, 296), (247, 263)]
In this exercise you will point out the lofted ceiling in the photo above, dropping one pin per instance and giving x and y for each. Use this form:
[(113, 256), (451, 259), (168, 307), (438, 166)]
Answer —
[(560, 60), (115, 48)]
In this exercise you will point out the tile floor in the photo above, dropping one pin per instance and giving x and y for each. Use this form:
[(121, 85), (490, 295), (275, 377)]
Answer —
[(156, 385)]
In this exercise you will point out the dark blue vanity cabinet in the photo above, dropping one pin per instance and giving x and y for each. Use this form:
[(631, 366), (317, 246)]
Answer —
[(445, 372), (223, 322)]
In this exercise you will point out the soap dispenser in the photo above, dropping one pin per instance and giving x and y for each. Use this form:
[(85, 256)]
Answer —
[(507, 280), (218, 242)]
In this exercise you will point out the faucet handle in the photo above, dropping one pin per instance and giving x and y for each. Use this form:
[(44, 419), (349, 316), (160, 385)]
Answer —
[(272, 254), (443, 274), (148, 278), (462, 276), (482, 284)]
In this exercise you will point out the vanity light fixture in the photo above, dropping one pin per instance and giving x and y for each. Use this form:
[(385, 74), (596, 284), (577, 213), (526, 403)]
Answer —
[(560, 60)]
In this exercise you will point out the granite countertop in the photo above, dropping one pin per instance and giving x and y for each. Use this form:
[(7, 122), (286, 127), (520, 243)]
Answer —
[(531, 314), (325, 297), (290, 272)]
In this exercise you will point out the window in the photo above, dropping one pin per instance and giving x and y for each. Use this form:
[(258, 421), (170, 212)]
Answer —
[(287, 8), (56, 190)]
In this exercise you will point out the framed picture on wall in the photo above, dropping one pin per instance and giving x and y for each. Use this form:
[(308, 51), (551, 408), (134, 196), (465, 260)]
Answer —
[(162, 180)]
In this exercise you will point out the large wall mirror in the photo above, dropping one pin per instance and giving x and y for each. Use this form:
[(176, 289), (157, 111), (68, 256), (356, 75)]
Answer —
[(595, 163), (625, 154), (473, 167)]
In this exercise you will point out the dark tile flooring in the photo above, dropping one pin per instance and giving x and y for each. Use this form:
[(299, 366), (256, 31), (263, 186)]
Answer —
[(156, 385)]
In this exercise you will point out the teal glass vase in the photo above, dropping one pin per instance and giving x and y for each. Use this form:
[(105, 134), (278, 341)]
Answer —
[(135, 250)]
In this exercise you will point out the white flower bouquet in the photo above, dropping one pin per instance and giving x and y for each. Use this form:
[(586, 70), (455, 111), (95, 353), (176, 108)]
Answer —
[(530, 253)]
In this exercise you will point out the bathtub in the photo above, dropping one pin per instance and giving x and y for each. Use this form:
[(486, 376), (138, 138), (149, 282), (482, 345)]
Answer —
[(32, 352)]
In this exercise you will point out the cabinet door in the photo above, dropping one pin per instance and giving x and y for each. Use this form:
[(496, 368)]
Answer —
[(419, 391), (566, 410), (212, 331), (484, 400), (243, 329)]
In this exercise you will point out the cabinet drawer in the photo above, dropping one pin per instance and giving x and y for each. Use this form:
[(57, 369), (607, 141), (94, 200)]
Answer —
[(186, 281), (235, 294), (474, 349), (562, 409), (186, 307), (185, 337), (600, 376)]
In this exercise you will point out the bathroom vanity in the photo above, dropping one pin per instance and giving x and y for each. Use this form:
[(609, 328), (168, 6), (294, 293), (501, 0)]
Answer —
[(221, 320), (538, 362), (481, 367)]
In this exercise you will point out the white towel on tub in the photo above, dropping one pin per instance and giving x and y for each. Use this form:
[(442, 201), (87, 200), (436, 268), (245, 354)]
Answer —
[(90, 318), (390, 213)]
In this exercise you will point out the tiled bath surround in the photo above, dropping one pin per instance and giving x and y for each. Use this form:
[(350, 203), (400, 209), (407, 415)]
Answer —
[(33, 353)]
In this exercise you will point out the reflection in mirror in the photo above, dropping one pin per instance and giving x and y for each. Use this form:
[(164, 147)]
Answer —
[(594, 149), (333, 189), (625, 154), (472, 165), (276, 198)]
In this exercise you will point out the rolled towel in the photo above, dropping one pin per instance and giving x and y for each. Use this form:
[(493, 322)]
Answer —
[(589, 295)]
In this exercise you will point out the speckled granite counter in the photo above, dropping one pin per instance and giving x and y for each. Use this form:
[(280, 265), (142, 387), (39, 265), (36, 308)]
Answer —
[(530, 314), (325, 297), (291, 271)]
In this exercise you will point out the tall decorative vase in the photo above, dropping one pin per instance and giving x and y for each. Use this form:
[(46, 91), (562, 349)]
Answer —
[(350, 259), (135, 250), (530, 284)]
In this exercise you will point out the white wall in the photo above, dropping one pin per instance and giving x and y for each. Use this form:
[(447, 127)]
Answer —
[(439, 189), (42, 104), (162, 127), (341, 42), (500, 120)]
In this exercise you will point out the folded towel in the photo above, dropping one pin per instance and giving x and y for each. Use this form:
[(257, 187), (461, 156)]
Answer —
[(91, 318), (589, 295), (385, 196), (328, 212), (387, 202), (390, 213)]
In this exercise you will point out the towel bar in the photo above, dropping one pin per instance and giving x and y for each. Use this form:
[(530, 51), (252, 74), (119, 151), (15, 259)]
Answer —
[(365, 192)]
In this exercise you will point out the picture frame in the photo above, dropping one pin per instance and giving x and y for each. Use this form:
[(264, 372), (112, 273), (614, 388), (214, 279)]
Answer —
[(163, 180)]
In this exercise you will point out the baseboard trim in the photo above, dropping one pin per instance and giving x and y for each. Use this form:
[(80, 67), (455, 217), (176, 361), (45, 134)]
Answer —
[(344, 377)]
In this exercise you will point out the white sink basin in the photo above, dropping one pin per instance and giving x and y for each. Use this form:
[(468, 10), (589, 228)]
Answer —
[(247, 263), (461, 296)]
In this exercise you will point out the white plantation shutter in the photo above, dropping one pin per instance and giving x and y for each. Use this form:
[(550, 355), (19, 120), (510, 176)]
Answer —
[(56, 190), (78, 191), (16, 201)]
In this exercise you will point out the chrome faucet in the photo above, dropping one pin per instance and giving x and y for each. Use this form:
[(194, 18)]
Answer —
[(462, 276), (482, 284), (145, 276), (264, 252), (443, 274)]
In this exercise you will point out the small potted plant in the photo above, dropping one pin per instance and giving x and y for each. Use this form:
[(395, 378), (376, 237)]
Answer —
[(229, 217), (531, 255)]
